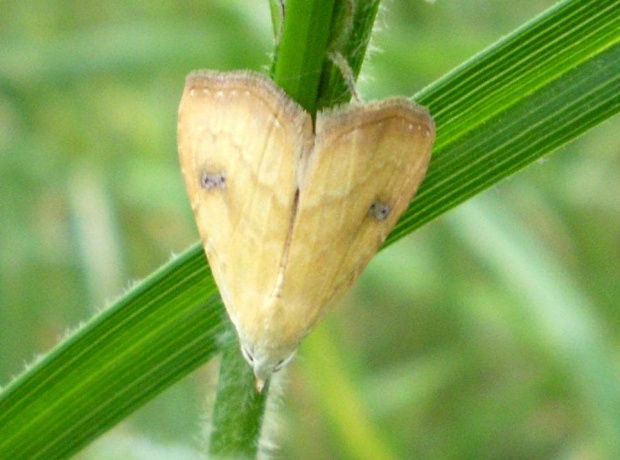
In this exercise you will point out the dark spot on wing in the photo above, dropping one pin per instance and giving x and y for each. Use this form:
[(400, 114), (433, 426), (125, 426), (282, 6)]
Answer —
[(379, 210), (209, 181)]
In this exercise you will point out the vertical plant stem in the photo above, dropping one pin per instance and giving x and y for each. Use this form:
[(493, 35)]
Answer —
[(302, 68), (302, 49), (239, 409)]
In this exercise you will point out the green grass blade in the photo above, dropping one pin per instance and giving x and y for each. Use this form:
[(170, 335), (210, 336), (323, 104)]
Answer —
[(522, 98), (159, 331)]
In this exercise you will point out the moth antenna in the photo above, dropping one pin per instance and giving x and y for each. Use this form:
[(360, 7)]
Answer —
[(277, 18), (347, 73), (345, 26)]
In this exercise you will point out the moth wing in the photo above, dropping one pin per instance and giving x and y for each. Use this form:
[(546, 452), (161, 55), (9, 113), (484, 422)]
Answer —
[(240, 138), (365, 168)]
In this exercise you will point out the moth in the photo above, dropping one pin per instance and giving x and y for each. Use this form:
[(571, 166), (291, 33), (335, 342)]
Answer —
[(291, 210)]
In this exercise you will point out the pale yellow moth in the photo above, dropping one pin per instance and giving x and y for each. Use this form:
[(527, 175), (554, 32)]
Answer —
[(290, 212)]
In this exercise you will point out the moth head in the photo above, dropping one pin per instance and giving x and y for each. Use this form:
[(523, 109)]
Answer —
[(266, 361)]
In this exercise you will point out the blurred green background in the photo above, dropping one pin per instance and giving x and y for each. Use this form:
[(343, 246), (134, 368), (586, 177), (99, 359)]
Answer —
[(490, 333)]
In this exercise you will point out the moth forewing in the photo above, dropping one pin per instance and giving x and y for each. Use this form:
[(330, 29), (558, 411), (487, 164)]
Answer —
[(241, 127), (365, 157)]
